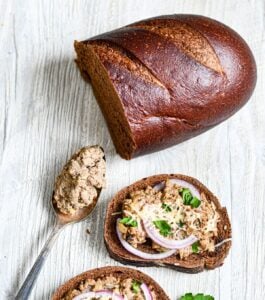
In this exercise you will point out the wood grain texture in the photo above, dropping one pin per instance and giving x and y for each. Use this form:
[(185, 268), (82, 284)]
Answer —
[(47, 112)]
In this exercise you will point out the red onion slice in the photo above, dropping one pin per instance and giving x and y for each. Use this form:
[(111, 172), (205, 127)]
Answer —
[(223, 242), (195, 192), (167, 243), (103, 293), (139, 253), (159, 186), (146, 291), (85, 296)]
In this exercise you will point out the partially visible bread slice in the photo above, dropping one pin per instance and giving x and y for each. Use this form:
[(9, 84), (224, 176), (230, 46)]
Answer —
[(194, 263), (118, 272)]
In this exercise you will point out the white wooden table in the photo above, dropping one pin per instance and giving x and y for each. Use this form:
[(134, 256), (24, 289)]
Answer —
[(47, 112)]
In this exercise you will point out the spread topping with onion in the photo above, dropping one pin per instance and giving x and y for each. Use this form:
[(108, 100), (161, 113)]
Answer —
[(109, 288), (173, 215)]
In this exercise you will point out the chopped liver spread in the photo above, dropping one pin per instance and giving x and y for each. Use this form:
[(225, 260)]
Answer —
[(167, 209), (81, 178), (128, 288)]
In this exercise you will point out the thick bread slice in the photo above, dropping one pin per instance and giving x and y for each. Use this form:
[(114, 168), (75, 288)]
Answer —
[(194, 263), (119, 272)]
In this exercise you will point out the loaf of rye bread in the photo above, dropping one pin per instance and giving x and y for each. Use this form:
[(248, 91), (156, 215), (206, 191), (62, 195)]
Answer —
[(195, 262), (118, 272), (166, 79)]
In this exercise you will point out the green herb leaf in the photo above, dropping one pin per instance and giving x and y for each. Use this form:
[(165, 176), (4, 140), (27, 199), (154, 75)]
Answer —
[(195, 202), (208, 297), (195, 247), (188, 199), (163, 226), (199, 297), (136, 286), (189, 296), (129, 221), (166, 207), (186, 196), (181, 224)]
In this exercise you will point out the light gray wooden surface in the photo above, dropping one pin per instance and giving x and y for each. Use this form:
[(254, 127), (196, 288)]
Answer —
[(47, 112)]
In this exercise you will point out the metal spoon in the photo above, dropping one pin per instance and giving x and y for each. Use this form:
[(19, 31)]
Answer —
[(61, 221)]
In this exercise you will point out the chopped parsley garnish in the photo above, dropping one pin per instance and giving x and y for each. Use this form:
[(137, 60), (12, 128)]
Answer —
[(188, 199), (180, 224), (195, 202), (186, 196), (195, 247), (136, 286), (163, 226), (129, 221), (166, 207), (189, 296)]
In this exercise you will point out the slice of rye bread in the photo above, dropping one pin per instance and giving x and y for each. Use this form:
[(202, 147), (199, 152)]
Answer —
[(194, 263), (118, 272)]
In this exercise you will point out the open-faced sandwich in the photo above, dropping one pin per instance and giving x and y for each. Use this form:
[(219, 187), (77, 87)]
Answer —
[(168, 220), (110, 283)]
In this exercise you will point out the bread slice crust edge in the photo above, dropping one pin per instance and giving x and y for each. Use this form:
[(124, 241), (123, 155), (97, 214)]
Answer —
[(121, 272)]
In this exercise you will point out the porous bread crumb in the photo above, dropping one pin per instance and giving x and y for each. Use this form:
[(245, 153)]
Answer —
[(123, 287), (77, 185)]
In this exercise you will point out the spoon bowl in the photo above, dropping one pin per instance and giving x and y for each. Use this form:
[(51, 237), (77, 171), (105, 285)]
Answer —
[(80, 215)]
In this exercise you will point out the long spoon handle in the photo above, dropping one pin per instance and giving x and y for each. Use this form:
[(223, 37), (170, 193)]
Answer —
[(25, 290)]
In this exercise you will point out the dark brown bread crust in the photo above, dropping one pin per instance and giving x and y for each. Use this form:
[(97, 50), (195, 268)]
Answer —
[(195, 262), (202, 70), (120, 272)]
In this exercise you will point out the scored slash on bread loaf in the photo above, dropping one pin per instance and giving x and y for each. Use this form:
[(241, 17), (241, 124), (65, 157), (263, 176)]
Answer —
[(192, 264), (119, 272), (163, 80)]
